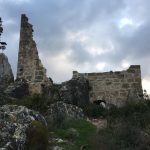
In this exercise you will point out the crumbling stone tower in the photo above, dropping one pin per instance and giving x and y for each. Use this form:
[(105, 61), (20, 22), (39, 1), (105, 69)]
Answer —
[(30, 67)]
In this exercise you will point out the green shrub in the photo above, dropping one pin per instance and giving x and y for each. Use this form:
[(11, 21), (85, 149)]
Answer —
[(58, 120), (36, 102), (77, 131), (138, 114), (127, 128), (71, 134), (95, 111), (37, 136)]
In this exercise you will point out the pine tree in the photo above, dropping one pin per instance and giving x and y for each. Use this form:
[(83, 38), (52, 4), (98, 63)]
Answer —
[(2, 44)]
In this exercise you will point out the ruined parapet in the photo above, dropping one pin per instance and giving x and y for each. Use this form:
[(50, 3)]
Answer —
[(114, 87), (6, 75), (30, 67)]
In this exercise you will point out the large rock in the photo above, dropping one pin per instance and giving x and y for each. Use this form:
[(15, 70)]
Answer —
[(14, 121), (18, 89), (75, 91), (60, 111), (6, 75)]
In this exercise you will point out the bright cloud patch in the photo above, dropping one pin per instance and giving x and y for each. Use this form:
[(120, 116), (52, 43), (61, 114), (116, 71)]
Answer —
[(125, 64), (100, 66), (146, 85), (87, 36), (125, 21)]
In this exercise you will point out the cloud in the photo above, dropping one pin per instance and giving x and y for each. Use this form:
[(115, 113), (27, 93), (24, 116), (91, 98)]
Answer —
[(87, 35)]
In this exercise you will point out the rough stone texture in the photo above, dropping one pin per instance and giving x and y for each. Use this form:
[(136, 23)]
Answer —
[(59, 111), (6, 75), (114, 87), (14, 121), (75, 91), (30, 67), (57, 148), (5, 99), (18, 89)]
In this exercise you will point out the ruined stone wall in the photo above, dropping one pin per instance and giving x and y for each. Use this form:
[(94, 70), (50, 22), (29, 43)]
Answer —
[(114, 87), (30, 67)]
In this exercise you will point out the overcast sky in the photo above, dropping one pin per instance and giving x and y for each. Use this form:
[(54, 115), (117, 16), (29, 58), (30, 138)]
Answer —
[(82, 35)]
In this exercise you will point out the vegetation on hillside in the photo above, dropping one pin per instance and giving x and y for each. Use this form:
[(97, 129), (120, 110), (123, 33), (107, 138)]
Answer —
[(37, 135), (76, 133), (38, 102), (127, 128)]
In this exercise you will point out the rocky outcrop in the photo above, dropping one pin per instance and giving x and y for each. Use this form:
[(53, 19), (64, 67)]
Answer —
[(18, 89), (6, 75), (75, 91), (60, 111), (30, 67), (14, 121)]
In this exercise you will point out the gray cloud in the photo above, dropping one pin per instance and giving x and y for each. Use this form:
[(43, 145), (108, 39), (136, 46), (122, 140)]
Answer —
[(81, 34)]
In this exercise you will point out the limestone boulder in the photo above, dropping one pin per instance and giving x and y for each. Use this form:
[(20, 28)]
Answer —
[(60, 111), (14, 121)]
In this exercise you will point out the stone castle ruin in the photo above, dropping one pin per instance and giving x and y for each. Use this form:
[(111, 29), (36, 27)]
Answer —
[(114, 87), (30, 67), (109, 87)]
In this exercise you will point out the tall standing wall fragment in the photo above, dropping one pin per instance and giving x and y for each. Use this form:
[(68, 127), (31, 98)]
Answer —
[(30, 67)]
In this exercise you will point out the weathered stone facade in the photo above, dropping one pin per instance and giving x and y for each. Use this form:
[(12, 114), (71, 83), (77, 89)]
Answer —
[(114, 87), (30, 67)]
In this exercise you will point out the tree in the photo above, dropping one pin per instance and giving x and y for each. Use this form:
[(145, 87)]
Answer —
[(2, 44)]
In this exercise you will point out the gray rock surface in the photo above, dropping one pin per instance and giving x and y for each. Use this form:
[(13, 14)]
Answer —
[(60, 111), (57, 148), (14, 120), (18, 89), (75, 91), (6, 75)]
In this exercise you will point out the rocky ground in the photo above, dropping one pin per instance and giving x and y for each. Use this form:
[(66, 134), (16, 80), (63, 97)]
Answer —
[(14, 121)]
